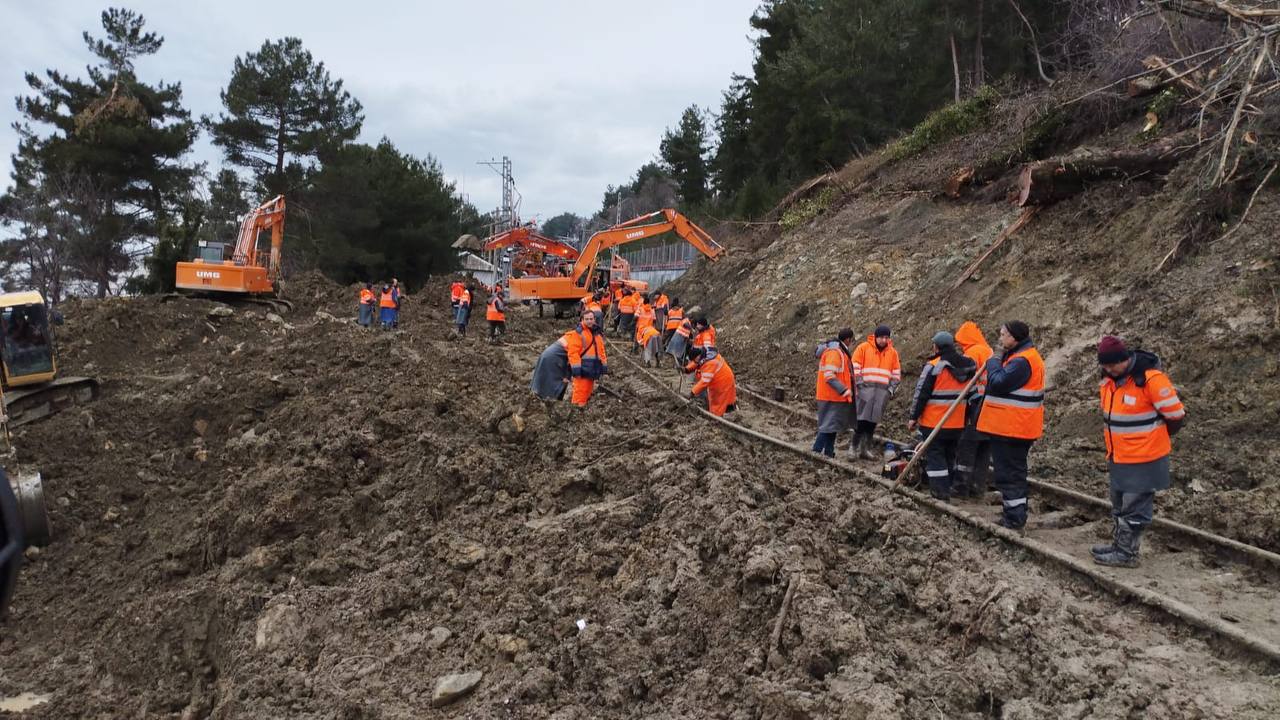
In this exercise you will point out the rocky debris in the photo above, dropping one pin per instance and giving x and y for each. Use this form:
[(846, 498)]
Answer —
[(219, 312), (439, 636), (451, 688), (278, 626)]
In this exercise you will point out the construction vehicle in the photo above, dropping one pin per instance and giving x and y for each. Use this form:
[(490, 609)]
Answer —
[(24, 522), (31, 387), (249, 274), (532, 251), (565, 292)]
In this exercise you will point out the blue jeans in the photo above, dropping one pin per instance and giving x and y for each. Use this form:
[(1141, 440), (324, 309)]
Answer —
[(825, 443)]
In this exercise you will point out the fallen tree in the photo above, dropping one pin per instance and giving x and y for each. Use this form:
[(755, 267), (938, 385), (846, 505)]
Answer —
[(1048, 181)]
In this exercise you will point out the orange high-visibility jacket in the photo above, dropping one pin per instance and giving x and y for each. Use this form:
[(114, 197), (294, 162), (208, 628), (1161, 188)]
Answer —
[(388, 299), (645, 335), (946, 388), (628, 304), (875, 366), (834, 368), (662, 302), (496, 311), (465, 297), (971, 342), (586, 299), (1133, 417), (1017, 414), (707, 341), (586, 352), (644, 317), (716, 377), (674, 316), (455, 292), (594, 306), (366, 296), (685, 328)]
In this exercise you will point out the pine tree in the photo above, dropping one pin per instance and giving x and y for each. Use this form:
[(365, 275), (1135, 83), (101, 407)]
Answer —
[(117, 142), (684, 151), (283, 112)]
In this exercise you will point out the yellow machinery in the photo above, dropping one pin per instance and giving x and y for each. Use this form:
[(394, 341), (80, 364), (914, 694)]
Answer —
[(32, 388)]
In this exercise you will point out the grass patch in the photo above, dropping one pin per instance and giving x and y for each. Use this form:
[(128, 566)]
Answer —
[(807, 209), (946, 123)]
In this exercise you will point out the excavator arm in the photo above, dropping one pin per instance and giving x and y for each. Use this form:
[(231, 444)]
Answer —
[(642, 228), (525, 237), (267, 216)]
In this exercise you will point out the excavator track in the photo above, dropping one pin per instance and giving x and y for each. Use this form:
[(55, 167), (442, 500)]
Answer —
[(276, 305), (26, 405)]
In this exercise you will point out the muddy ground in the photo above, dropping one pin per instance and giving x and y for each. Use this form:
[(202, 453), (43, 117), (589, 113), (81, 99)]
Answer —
[(892, 246), (298, 518)]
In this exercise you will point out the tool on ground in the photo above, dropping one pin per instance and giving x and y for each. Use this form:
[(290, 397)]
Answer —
[(922, 447), (249, 275)]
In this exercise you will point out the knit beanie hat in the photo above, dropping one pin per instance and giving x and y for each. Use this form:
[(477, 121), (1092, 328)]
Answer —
[(1111, 349), (1018, 330), (882, 331), (944, 339)]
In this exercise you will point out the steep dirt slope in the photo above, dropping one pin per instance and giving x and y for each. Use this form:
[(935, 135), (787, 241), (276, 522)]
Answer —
[(303, 519), (891, 246)]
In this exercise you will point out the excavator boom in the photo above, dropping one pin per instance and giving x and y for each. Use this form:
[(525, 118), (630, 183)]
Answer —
[(571, 288)]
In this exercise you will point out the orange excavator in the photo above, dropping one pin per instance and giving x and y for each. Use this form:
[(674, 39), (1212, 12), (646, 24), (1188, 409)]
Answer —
[(564, 292), (533, 249), (249, 274)]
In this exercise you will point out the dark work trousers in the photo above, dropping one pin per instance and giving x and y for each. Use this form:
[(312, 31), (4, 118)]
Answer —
[(825, 443), (973, 455), (496, 328), (939, 459), (1135, 508), (1009, 456)]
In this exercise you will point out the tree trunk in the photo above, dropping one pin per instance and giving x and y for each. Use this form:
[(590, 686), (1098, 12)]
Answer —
[(955, 64), (284, 118), (1048, 181), (979, 67)]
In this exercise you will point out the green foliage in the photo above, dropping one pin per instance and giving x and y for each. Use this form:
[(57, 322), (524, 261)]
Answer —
[(176, 243), (374, 213), (808, 208), (563, 225), (111, 145), (684, 151), (283, 112), (946, 123)]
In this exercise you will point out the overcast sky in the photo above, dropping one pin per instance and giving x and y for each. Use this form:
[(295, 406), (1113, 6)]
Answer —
[(577, 94)]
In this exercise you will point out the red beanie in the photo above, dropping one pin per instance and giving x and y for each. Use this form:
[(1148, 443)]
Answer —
[(1111, 349)]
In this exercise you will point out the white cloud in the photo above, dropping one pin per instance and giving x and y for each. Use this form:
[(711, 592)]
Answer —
[(576, 93)]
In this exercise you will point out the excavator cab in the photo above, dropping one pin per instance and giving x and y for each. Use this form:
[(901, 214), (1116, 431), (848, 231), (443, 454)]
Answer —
[(27, 348), (29, 365)]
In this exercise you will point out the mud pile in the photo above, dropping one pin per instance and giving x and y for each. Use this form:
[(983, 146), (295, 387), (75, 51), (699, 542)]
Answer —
[(893, 244), (293, 517)]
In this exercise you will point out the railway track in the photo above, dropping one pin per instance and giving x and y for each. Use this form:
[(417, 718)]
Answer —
[(1210, 583)]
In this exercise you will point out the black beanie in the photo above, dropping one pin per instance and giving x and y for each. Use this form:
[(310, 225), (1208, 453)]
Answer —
[(882, 331), (1018, 330)]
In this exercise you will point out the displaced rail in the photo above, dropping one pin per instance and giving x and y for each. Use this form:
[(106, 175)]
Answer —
[(1231, 606), (1259, 558)]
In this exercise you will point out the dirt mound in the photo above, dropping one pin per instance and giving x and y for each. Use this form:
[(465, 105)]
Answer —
[(293, 517), (891, 247)]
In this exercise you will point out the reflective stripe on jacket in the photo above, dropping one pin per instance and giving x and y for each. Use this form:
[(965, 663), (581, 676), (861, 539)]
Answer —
[(1134, 417), (875, 366), (834, 374), (495, 312), (1016, 413), (946, 388), (586, 352), (674, 316), (388, 300)]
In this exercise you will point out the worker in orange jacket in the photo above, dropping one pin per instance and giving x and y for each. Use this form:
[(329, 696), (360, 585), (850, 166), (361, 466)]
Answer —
[(645, 318), (940, 385), (1012, 417), (577, 358), (661, 304), (462, 313), (678, 344), (387, 307), (618, 293), (715, 377), (455, 293), (595, 306), (704, 336), (675, 314), (973, 454), (877, 372), (650, 344), (368, 300), (834, 391), (496, 314), (1141, 411), (627, 307)]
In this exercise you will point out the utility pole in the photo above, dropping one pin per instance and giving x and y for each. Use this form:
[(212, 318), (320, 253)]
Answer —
[(507, 216)]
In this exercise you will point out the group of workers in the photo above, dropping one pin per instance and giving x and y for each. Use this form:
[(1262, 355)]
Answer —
[(578, 358), (974, 408), (384, 305)]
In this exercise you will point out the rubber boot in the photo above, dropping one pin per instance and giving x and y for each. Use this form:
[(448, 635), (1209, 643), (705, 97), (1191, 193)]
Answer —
[(1110, 547), (1128, 540), (855, 446), (867, 452)]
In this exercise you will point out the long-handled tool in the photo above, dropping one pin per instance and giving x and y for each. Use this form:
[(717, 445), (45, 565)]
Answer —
[(922, 447)]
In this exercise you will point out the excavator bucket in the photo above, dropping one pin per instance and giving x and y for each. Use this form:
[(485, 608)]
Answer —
[(28, 404)]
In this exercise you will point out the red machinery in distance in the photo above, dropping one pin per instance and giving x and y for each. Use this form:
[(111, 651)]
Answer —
[(533, 251)]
